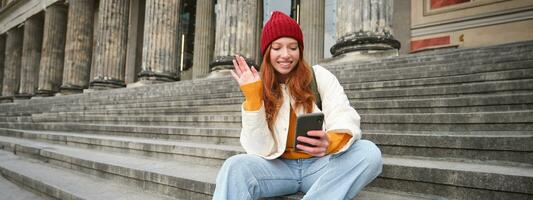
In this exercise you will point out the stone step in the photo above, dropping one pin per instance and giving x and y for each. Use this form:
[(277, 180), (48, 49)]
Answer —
[(467, 60), (193, 134), (479, 103), (219, 120), (12, 191), (219, 98), (482, 121), (373, 193), (498, 62), (391, 85), (418, 78), (61, 183), (453, 55), (230, 104), (200, 153), (523, 73), (234, 119), (414, 79), (165, 176), (498, 147), (520, 74), (50, 184), (476, 103), (455, 180), (235, 89), (185, 85), (186, 90), (451, 90), (207, 109), (479, 121), (151, 104), (198, 180), (503, 148)]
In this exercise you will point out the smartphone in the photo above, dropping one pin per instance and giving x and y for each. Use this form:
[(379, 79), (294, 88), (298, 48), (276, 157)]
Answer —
[(308, 122)]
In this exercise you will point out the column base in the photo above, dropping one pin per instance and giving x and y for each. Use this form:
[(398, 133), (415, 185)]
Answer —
[(226, 62), (106, 84), (23, 96), (219, 73), (358, 56), (8, 99), (157, 76), (144, 82), (364, 43), (69, 89), (44, 93)]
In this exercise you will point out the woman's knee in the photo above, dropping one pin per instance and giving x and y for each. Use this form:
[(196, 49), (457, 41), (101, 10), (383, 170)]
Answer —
[(370, 153), (238, 163), (373, 155)]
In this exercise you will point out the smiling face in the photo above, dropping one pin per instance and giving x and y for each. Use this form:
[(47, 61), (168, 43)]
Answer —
[(284, 55)]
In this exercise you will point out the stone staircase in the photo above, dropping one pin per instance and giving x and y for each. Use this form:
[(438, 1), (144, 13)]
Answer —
[(456, 124)]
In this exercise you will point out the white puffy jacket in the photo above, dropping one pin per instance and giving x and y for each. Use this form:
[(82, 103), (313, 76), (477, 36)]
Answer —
[(257, 139)]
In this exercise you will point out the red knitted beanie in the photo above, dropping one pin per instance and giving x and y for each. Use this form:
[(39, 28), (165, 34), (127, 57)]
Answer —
[(280, 25)]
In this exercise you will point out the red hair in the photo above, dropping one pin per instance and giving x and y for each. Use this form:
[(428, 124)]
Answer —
[(298, 81)]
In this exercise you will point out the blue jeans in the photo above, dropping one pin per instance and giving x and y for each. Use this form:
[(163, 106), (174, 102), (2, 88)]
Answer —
[(339, 176)]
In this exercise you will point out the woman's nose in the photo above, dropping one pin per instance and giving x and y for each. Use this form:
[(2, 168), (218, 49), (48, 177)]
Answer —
[(284, 52)]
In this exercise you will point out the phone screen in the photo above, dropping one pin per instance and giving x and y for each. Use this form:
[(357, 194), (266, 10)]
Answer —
[(308, 122)]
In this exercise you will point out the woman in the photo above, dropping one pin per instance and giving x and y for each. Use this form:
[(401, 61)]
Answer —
[(335, 165)]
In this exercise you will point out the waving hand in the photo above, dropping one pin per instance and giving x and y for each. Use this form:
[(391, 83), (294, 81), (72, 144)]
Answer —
[(242, 73)]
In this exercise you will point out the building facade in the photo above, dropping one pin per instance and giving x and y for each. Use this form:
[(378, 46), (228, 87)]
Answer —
[(58, 47)]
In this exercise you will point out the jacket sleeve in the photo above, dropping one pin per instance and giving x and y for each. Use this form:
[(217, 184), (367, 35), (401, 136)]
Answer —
[(255, 138), (337, 140), (340, 116)]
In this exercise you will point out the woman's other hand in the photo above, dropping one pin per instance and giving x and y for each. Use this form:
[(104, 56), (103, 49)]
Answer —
[(242, 73), (321, 143)]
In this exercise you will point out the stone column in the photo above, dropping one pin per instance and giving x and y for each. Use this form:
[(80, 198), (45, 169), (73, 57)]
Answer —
[(312, 24), (78, 47), (160, 48), (236, 33), (12, 64), (110, 50), (2, 60), (364, 27), (31, 56), (259, 29), (203, 38), (53, 50)]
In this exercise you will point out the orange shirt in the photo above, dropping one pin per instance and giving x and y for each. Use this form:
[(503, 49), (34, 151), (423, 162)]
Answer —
[(253, 93)]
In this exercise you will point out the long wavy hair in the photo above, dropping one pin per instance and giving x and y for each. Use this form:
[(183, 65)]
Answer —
[(298, 81)]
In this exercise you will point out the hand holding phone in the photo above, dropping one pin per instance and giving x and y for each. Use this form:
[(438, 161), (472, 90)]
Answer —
[(306, 123)]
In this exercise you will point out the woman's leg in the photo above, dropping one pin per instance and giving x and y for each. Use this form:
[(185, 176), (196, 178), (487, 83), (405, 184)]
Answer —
[(345, 174), (248, 176)]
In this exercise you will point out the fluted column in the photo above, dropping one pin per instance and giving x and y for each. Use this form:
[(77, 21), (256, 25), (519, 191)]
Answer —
[(2, 60), (110, 50), (53, 50), (364, 25), (78, 47), (12, 63), (31, 56), (236, 33), (160, 48), (203, 38), (312, 24)]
